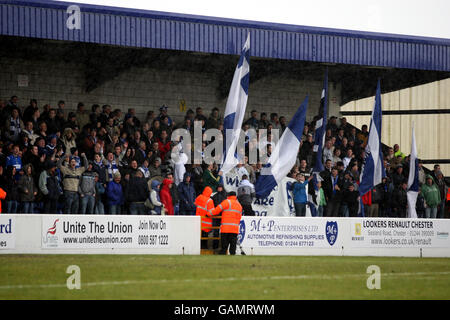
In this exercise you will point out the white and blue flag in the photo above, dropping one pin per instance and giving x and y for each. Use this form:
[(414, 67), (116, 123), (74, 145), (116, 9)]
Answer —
[(235, 108), (413, 179), (319, 142), (373, 170), (321, 127), (284, 155)]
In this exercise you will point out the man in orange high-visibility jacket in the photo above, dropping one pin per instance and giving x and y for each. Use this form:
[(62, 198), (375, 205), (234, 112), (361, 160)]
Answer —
[(204, 205), (2, 197), (231, 217), (448, 200)]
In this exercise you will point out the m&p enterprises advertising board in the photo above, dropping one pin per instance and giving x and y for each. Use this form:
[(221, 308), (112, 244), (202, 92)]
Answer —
[(287, 232)]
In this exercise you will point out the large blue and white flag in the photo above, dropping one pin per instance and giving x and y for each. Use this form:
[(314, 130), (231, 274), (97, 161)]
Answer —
[(373, 170), (413, 179), (284, 155), (321, 127), (319, 142), (235, 108)]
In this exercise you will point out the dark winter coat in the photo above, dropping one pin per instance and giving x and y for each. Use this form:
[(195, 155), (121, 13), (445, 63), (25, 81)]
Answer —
[(186, 192), (114, 193), (219, 196), (137, 190), (328, 188), (399, 199), (351, 199), (26, 183), (11, 186)]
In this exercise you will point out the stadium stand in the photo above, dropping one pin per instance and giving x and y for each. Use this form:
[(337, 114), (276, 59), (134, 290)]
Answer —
[(94, 160)]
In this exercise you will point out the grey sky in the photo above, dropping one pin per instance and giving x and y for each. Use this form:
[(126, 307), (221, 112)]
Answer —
[(410, 17)]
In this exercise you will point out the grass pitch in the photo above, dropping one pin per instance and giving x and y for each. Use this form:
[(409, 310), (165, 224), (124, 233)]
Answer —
[(221, 277)]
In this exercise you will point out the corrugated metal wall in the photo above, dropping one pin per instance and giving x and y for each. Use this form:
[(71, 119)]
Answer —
[(103, 25), (432, 130)]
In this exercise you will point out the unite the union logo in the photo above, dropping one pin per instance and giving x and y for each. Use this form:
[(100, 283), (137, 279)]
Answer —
[(52, 230), (49, 238)]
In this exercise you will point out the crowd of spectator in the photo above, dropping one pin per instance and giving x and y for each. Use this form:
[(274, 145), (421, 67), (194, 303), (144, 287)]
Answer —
[(100, 160), (343, 157)]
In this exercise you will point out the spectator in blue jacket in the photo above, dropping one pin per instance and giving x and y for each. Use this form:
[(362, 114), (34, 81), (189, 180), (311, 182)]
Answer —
[(99, 192), (300, 195), (186, 191), (156, 203), (15, 160), (114, 194)]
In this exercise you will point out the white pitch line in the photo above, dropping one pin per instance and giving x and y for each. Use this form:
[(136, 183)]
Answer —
[(428, 275)]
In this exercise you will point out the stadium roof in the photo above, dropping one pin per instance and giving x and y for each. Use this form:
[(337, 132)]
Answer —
[(159, 30)]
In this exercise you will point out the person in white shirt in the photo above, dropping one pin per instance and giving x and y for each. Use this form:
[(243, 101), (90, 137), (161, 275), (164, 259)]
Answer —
[(30, 133), (178, 160), (327, 152), (245, 196), (241, 171), (336, 157), (348, 158)]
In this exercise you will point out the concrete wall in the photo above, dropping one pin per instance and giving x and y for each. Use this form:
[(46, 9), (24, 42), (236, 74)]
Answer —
[(147, 89)]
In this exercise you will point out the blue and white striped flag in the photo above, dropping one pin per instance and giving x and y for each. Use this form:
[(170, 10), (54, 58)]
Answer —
[(321, 127), (284, 155), (235, 108), (413, 179), (319, 142), (373, 170)]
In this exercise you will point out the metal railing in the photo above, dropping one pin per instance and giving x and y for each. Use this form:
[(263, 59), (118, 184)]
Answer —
[(211, 228)]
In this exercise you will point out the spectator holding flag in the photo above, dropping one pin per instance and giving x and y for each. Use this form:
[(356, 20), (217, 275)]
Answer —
[(300, 197), (373, 169), (209, 179)]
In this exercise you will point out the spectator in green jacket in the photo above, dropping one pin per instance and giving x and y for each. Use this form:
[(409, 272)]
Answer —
[(397, 151), (321, 201), (432, 197), (209, 179)]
